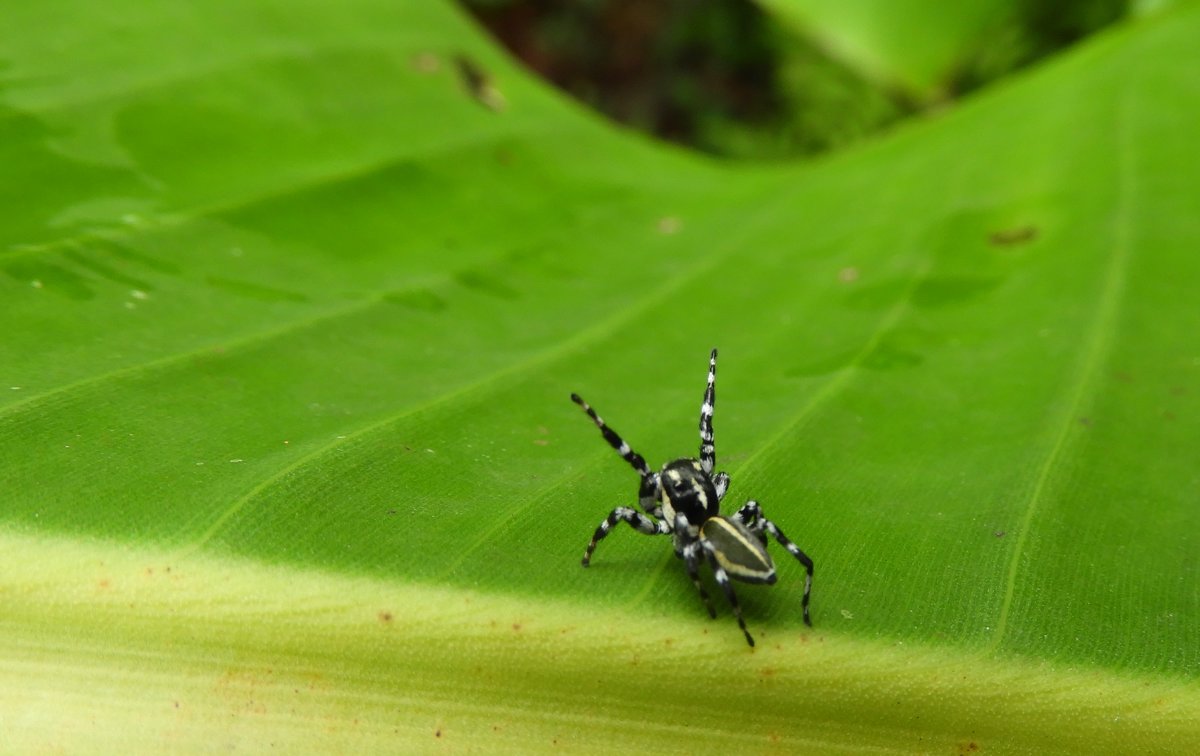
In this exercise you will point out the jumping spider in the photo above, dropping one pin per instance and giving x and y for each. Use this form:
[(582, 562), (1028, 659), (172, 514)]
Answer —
[(683, 500)]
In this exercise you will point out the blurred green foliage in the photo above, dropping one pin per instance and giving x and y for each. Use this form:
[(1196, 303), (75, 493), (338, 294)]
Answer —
[(724, 77)]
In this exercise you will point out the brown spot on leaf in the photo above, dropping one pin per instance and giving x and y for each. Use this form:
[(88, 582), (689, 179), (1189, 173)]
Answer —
[(385, 616), (669, 224), (479, 84), (426, 62), (1015, 235)]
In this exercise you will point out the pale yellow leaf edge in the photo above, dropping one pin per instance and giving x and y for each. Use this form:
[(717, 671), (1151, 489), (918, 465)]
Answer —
[(117, 648)]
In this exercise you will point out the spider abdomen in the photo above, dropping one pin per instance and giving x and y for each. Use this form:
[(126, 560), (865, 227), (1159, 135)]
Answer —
[(738, 551)]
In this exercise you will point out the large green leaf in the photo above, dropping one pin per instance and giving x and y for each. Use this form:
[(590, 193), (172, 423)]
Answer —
[(291, 319)]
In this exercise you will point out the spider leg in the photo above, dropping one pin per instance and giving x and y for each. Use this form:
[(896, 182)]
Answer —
[(721, 483), (649, 495), (723, 581), (615, 441), (691, 557), (638, 521), (751, 515), (708, 456)]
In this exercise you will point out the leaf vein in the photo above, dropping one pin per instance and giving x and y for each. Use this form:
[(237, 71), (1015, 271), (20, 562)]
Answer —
[(1096, 348)]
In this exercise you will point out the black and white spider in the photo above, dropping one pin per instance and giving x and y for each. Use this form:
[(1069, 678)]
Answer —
[(683, 500)]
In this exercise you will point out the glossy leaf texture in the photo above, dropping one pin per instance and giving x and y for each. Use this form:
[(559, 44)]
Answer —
[(294, 299)]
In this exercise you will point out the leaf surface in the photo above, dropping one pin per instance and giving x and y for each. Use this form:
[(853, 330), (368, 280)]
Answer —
[(294, 310)]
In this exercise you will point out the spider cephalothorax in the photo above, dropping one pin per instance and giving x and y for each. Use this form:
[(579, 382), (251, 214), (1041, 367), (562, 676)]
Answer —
[(683, 500)]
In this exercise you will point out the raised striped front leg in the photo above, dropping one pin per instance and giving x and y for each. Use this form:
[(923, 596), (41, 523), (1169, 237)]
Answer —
[(638, 521), (752, 517), (708, 453), (614, 440)]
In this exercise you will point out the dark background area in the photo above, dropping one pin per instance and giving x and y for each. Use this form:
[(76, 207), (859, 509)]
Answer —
[(723, 77)]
